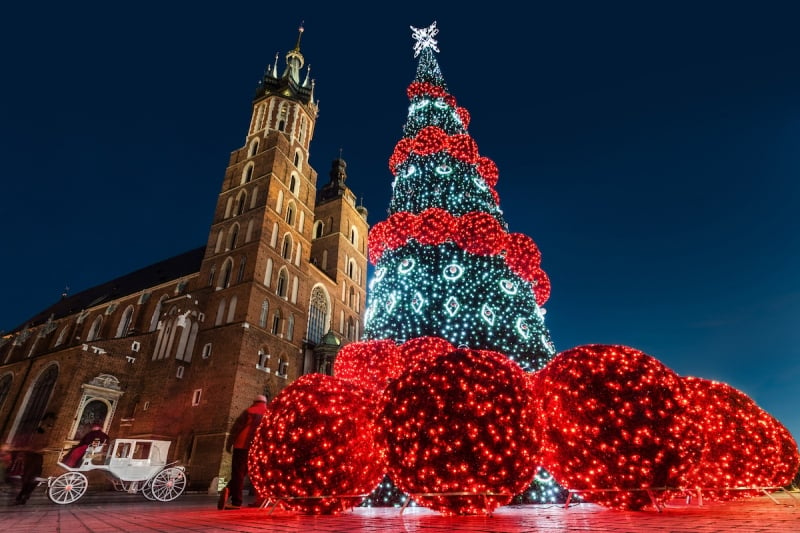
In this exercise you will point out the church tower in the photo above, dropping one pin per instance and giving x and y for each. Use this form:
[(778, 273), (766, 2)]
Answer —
[(260, 236), (176, 350), (339, 250)]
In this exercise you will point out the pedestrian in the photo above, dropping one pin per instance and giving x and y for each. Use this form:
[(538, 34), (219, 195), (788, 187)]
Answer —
[(29, 459), (239, 440)]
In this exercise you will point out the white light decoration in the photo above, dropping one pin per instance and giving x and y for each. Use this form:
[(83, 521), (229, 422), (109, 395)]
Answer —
[(418, 302), (508, 286), (424, 38), (487, 314), (406, 265), (451, 306), (453, 272), (522, 327)]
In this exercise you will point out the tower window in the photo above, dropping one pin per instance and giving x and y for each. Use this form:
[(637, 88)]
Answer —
[(248, 173), (286, 248), (262, 319), (225, 275), (290, 327), (283, 367), (242, 265), (283, 282), (263, 360), (232, 238), (241, 203)]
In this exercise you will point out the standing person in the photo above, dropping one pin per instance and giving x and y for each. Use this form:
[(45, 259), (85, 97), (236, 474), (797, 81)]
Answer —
[(239, 439)]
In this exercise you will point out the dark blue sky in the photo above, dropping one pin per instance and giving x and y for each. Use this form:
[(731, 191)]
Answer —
[(651, 151)]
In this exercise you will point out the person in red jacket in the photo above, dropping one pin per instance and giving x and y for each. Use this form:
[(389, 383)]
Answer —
[(239, 440)]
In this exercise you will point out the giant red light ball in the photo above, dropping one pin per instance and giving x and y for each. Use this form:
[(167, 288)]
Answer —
[(369, 364), (612, 422), (459, 432), (744, 447), (315, 450), (422, 350)]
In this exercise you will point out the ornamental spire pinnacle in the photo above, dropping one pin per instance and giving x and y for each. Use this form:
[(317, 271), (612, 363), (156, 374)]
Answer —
[(300, 31)]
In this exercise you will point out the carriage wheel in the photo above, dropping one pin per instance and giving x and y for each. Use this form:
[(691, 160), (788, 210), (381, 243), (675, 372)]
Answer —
[(67, 488), (168, 484), (147, 490)]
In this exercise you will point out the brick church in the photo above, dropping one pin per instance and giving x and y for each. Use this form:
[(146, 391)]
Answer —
[(177, 349)]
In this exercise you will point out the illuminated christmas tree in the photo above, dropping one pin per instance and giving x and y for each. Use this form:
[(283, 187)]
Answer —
[(445, 264)]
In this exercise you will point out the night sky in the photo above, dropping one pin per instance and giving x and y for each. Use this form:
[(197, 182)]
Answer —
[(650, 150)]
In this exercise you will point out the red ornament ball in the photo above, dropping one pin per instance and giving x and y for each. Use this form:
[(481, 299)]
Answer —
[(480, 233), (743, 447), (377, 241), (423, 350), (429, 140), (613, 420), (371, 365), (435, 226), (459, 432), (315, 449)]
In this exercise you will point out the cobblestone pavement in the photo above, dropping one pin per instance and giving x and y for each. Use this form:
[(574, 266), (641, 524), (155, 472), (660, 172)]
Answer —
[(106, 512)]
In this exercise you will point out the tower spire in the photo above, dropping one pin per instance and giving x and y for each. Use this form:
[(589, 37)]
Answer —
[(300, 31), (295, 60)]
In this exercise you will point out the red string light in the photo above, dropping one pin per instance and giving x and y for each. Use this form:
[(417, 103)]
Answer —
[(476, 232)]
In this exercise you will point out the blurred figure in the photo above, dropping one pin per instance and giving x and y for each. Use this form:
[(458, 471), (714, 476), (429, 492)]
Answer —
[(239, 440), (27, 462)]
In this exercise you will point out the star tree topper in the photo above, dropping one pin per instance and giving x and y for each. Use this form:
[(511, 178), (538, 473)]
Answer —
[(425, 38)]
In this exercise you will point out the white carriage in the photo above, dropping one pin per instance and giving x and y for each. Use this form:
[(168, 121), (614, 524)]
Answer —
[(132, 465)]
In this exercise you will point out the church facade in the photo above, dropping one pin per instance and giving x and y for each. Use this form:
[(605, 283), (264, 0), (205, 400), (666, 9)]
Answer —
[(176, 350)]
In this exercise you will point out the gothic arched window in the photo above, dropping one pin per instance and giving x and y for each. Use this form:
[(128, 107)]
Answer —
[(35, 406), (5, 387), (125, 322), (94, 331), (283, 283), (318, 310), (262, 318)]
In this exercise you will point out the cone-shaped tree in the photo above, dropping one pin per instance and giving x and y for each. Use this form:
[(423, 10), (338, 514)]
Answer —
[(445, 264)]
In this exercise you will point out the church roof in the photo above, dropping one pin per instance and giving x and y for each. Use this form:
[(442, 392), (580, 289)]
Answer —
[(167, 270)]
